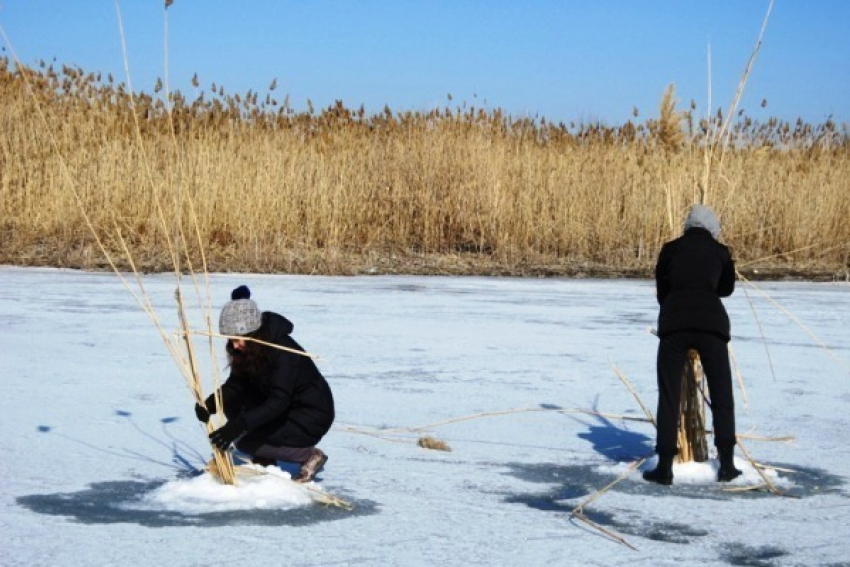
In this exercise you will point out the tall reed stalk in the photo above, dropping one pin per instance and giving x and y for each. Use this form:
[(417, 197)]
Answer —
[(453, 190)]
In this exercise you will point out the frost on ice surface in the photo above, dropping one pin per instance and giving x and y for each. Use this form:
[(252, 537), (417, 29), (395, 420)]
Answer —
[(102, 434)]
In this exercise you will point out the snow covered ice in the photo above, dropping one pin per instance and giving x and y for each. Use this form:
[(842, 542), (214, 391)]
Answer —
[(102, 451)]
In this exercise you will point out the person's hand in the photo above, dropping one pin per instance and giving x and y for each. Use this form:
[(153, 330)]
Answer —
[(206, 410), (202, 413), (227, 434)]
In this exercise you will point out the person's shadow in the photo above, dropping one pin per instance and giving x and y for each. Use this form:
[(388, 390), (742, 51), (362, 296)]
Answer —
[(614, 440), (123, 501)]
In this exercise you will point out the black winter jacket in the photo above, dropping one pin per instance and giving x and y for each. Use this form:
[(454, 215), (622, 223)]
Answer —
[(692, 274), (291, 405)]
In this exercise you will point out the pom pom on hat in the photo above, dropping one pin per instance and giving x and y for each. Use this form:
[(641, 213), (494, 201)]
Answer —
[(241, 292), (240, 316)]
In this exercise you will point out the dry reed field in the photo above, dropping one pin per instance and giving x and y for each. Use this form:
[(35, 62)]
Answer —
[(459, 190)]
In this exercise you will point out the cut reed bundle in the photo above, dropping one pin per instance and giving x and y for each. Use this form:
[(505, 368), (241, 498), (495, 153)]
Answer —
[(433, 444), (691, 431)]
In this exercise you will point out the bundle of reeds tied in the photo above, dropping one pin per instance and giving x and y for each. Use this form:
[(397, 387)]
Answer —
[(691, 434), (221, 465)]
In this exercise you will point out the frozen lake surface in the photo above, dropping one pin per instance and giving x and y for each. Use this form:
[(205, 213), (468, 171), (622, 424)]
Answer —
[(101, 448)]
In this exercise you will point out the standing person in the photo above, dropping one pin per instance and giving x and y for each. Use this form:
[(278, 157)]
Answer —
[(277, 403), (693, 272)]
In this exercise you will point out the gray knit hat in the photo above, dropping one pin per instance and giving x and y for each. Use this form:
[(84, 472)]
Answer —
[(240, 316), (703, 217)]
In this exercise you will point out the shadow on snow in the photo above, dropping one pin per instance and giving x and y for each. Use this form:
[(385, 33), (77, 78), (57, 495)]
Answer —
[(570, 484), (113, 503), (118, 501)]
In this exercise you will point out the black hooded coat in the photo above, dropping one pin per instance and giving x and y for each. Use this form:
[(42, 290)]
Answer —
[(288, 405), (693, 272)]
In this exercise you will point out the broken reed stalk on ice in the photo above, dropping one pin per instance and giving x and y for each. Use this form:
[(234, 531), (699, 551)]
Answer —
[(320, 496), (628, 385), (578, 511), (799, 323), (402, 434)]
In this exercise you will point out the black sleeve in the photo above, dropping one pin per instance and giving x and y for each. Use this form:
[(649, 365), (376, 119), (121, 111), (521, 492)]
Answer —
[(726, 285), (230, 392), (662, 273), (209, 403)]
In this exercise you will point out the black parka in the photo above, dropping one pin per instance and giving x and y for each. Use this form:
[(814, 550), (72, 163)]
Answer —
[(290, 405), (693, 272)]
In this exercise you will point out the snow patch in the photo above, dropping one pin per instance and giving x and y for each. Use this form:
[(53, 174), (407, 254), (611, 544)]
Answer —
[(270, 489), (704, 473)]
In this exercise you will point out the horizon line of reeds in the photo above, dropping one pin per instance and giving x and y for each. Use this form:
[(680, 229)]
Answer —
[(463, 190)]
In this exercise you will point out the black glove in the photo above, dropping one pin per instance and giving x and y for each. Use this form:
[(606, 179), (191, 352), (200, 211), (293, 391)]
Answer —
[(202, 413), (228, 433)]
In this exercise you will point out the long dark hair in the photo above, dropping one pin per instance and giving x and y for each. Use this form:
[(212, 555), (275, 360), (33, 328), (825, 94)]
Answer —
[(253, 362)]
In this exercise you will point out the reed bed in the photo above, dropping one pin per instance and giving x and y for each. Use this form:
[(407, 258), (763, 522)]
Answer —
[(459, 190)]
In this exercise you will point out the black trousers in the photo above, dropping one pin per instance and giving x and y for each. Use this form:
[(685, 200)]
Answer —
[(672, 356), (289, 454)]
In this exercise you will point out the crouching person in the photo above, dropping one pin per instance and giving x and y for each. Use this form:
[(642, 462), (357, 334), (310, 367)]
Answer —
[(277, 403)]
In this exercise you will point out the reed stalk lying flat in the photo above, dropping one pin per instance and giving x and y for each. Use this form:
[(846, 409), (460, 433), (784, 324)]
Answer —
[(758, 469), (799, 323), (487, 414), (635, 395), (754, 311), (319, 496), (578, 511), (785, 439)]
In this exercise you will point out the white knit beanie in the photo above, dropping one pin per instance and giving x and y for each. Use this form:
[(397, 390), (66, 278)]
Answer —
[(241, 315), (703, 217)]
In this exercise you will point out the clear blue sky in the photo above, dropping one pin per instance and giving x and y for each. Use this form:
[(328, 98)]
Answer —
[(564, 60)]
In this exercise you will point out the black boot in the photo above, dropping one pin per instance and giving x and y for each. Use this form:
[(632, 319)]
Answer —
[(727, 470), (663, 472)]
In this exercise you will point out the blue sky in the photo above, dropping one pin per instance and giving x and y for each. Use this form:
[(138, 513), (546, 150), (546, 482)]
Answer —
[(564, 60)]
